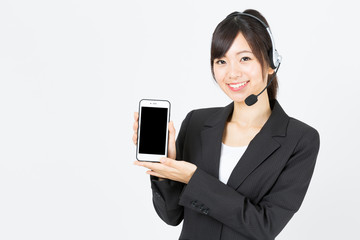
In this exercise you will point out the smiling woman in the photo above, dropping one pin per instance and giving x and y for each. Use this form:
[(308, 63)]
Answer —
[(244, 38), (240, 171), (239, 69)]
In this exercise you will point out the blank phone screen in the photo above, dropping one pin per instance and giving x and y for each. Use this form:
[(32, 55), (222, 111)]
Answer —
[(153, 130)]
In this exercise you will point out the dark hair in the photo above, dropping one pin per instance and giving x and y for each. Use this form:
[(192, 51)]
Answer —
[(256, 36)]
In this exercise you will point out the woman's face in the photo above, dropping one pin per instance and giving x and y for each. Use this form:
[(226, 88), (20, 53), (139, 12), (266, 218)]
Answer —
[(239, 72)]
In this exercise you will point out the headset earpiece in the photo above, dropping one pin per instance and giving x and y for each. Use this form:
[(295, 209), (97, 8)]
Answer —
[(271, 59), (275, 58)]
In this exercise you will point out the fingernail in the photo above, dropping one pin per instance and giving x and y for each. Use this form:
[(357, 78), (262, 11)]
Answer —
[(162, 160)]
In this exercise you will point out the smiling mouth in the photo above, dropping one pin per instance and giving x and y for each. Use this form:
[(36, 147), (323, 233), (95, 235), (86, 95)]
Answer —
[(237, 86)]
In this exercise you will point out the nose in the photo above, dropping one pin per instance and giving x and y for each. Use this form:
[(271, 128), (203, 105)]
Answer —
[(234, 75), (234, 71)]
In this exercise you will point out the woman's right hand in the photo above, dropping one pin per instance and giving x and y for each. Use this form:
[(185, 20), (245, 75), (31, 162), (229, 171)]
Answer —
[(171, 145)]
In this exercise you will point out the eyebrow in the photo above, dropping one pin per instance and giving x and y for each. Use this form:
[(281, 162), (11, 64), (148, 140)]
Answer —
[(244, 51), (240, 52)]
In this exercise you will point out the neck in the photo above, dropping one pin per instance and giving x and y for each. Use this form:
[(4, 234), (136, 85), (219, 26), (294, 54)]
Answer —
[(252, 116)]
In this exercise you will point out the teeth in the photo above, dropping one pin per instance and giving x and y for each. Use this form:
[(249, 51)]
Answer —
[(237, 85)]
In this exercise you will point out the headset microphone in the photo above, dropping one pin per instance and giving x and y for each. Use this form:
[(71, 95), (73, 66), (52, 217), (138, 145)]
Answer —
[(252, 99)]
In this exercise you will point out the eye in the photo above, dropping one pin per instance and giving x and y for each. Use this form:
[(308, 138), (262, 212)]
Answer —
[(220, 62), (244, 59)]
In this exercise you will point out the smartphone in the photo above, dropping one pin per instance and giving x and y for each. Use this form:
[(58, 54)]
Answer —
[(152, 143)]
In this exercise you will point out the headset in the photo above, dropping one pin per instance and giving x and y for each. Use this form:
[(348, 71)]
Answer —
[(274, 56)]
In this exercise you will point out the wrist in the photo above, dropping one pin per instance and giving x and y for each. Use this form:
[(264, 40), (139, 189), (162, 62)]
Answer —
[(191, 174)]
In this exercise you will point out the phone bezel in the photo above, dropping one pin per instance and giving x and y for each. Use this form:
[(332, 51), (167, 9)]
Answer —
[(156, 103)]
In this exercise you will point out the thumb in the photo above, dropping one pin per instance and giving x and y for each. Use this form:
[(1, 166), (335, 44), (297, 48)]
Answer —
[(171, 131), (171, 146)]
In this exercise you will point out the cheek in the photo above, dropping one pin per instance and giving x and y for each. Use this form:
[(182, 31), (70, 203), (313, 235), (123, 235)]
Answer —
[(255, 72), (219, 74), (253, 69)]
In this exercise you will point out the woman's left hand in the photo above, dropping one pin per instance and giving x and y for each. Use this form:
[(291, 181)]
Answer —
[(180, 171)]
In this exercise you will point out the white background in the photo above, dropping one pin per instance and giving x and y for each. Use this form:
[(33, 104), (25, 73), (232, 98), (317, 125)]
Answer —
[(72, 73)]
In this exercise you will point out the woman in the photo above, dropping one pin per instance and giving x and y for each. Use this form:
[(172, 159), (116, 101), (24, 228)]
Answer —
[(241, 171)]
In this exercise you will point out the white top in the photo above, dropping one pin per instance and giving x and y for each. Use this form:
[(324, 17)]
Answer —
[(228, 159)]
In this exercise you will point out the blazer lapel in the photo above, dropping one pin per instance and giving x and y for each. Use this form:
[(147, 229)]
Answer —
[(211, 138), (259, 149)]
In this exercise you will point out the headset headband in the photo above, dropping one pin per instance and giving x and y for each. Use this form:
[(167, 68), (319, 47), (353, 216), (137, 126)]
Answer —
[(275, 57)]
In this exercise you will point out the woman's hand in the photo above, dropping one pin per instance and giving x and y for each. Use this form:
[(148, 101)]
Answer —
[(180, 171), (171, 144)]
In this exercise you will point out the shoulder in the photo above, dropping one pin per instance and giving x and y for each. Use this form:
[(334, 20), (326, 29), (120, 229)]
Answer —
[(300, 127), (295, 133), (304, 133), (300, 141), (294, 127)]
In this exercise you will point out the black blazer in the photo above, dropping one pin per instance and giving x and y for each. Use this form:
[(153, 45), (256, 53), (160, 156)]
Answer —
[(265, 189)]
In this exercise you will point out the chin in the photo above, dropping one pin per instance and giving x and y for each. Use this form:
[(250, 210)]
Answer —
[(238, 99)]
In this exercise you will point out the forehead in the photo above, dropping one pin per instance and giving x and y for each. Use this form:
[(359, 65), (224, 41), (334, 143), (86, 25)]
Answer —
[(239, 45)]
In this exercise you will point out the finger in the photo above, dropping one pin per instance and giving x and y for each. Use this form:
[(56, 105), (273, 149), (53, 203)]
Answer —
[(136, 116), (134, 138), (137, 163), (150, 165), (172, 128), (169, 162), (135, 126), (156, 174), (172, 139), (171, 131)]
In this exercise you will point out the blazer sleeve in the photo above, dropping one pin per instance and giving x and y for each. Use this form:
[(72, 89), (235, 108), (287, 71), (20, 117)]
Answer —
[(166, 193), (265, 219)]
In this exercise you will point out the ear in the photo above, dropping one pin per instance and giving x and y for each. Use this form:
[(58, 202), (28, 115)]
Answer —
[(270, 71)]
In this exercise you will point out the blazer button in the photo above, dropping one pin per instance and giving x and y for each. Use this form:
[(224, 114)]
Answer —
[(205, 211), (194, 203)]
